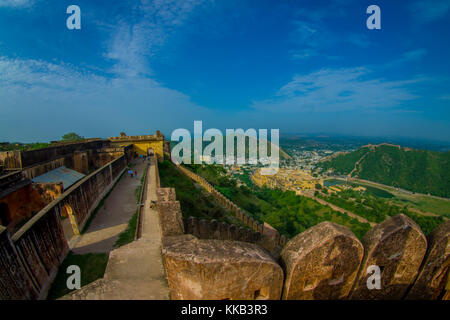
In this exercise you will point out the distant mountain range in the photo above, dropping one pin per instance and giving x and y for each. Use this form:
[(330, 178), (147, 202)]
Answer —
[(343, 142), (282, 154), (416, 170)]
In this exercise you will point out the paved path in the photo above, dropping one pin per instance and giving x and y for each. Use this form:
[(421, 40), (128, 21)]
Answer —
[(112, 218), (336, 208), (342, 210), (134, 271)]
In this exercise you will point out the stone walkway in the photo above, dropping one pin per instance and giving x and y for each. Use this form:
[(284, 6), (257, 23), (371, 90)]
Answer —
[(112, 218), (134, 271)]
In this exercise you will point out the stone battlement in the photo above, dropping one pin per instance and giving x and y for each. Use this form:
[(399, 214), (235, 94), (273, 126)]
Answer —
[(152, 137), (211, 260), (327, 261), (212, 229)]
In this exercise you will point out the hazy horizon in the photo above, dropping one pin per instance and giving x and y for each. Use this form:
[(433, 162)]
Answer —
[(297, 66)]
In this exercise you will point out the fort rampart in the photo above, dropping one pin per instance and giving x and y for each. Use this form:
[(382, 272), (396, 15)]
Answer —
[(212, 229), (29, 259), (22, 159), (83, 156), (212, 260), (273, 241)]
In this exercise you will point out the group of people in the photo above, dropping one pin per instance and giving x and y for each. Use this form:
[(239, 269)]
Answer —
[(142, 157), (132, 173)]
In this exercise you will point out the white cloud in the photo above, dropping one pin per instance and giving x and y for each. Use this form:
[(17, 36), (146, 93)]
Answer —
[(408, 57), (338, 90), (444, 97), (41, 100), (414, 54), (16, 3), (134, 44), (312, 34), (429, 10), (48, 99)]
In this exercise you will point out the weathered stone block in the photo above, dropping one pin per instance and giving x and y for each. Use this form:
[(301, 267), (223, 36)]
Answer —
[(321, 263), (241, 234), (268, 244), (170, 218), (203, 229), (214, 229), (434, 272), (166, 194), (191, 225), (215, 269), (397, 246), (239, 214), (234, 232), (224, 231), (256, 236)]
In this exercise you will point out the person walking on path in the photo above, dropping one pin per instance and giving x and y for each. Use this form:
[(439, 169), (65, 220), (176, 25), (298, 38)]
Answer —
[(135, 173)]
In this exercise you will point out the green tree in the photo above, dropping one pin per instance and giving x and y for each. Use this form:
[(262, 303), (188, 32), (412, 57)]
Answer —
[(72, 136)]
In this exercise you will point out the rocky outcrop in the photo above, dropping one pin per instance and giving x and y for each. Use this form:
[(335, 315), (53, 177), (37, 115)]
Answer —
[(397, 246), (219, 269), (321, 263)]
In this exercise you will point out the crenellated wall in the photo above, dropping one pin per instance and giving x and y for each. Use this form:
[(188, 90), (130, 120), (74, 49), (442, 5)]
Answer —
[(212, 229), (211, 260), (327, 261), (272, 241)]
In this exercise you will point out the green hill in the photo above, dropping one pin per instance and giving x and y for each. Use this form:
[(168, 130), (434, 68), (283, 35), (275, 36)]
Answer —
[(411, 169)]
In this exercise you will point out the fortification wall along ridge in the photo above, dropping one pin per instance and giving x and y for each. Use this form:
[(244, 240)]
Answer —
[(273, 243)]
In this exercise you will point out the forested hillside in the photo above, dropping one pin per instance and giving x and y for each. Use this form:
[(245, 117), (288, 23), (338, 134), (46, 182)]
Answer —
[(411, 169), (287, 212)]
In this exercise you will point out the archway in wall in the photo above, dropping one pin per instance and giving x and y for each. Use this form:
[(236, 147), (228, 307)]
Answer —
[(5, 218), (69, 222)]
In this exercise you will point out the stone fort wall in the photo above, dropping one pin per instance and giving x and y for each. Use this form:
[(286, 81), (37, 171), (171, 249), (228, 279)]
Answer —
[(142, 143), (211, 260), (29, 259), (271, 240), (214, 261), (23, 159), (212, 229)]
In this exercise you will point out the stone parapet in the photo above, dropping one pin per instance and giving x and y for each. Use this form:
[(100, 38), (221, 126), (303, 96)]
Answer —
[(220, 269), (321, 263), (397, 246)]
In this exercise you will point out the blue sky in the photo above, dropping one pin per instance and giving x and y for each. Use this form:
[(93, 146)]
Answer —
[(300, 66)]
